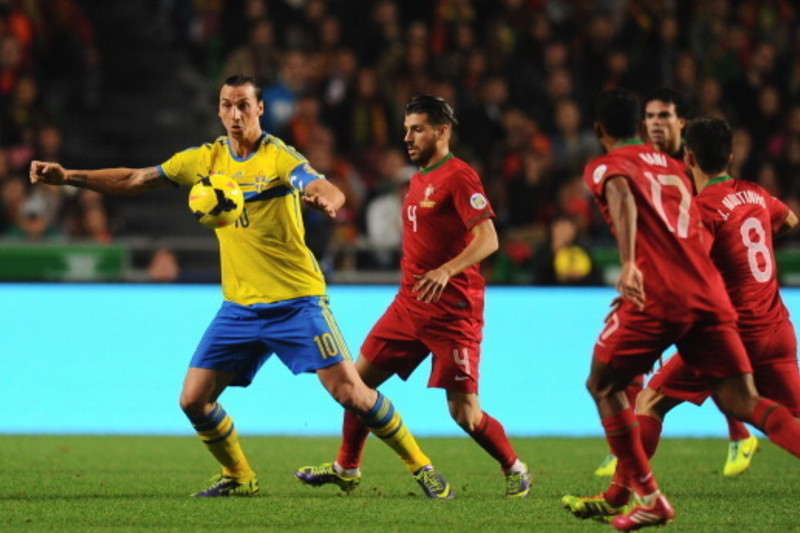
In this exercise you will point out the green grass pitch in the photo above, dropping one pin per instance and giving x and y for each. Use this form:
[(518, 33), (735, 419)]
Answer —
[(118, 484)]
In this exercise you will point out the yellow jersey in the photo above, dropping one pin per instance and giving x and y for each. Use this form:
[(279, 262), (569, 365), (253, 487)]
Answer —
[(263, 256)]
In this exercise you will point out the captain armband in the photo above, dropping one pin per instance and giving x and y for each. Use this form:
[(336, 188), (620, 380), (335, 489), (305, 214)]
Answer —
[(302, 175)]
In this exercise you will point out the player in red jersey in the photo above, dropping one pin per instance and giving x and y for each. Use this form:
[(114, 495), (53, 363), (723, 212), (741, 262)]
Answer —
[(447, 231), (742, 218), (671, 293), (663, 123)]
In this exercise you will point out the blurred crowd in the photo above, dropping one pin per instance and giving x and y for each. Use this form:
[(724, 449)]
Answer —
[(49, 66), (522, 75)]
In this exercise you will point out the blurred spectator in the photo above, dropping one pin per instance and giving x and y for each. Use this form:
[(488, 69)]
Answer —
[(24, 110), (12, 67), (369, 122), (95, 224), (86, 217), (321, 231), (164, 266), (305, 121), (384, 222), (531, 192), (303, 30), (769, 119), (49, 142), (564, 259), (482, 126), (573, 145), (338, 88), (5, 165), (744, 164), (239, 18), (12, 196), (34, 222), (259, 57), (382, 36), (280, 98)]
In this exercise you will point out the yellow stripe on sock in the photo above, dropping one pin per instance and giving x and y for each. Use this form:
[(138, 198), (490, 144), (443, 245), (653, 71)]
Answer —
[(397, 437), (223, 443)]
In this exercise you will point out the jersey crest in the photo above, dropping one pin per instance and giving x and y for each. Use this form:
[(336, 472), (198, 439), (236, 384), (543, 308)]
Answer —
[(426, 201)]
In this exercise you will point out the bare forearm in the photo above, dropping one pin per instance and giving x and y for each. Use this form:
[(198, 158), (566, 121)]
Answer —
[(622, 209), (480, 247), (116, 180), (327, 192)]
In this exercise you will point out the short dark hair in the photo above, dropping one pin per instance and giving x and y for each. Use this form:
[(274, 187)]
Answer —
[(239, 80), (710, 139), (668, 96), (618, 111), (438, 110)]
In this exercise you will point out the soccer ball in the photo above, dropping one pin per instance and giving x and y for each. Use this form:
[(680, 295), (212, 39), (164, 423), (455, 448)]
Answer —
[(216, 201)]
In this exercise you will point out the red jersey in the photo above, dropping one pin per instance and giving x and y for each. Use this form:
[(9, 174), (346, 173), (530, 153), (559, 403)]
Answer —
[(681, 283), (741, 217), (444, 202)]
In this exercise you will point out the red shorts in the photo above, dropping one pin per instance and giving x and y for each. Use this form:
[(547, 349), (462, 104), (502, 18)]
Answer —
[(676, 380), (401, 340), (773, 354), (632, 341)]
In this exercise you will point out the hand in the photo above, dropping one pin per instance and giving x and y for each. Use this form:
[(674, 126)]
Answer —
[(49, 173), (631, 285), (431, 284), (319, 203)]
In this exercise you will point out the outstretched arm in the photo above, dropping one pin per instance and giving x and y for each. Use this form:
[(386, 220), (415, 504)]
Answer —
[(323, 195), (622, 209), (484, 242), (106, 180)]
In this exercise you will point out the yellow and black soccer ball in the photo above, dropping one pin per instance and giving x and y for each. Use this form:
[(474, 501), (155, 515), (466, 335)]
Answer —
[(216, 201)]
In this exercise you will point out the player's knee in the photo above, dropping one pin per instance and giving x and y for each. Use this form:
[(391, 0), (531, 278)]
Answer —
[(192, 406), (739, 407), (351, 396), (596, 392), (646, 402), (737, 397)]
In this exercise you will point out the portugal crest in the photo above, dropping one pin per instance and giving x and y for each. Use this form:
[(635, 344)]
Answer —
[(427, 202)]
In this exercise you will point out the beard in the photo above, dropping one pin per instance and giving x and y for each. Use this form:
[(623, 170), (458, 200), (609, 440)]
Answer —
[(423, 155)]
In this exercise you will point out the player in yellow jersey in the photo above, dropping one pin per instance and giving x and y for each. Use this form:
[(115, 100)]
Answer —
[(274, 292)]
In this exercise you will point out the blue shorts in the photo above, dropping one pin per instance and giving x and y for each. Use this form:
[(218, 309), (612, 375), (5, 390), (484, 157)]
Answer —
[(301, 331)]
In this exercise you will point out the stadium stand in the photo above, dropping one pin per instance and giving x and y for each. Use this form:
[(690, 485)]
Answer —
[(96, 83)]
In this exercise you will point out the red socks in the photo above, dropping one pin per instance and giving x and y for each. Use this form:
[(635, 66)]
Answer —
[(736, 430), (619, 491), (354, 436), (633, 389), (779, 425), (491, 436), (623, 436), (650, 431)]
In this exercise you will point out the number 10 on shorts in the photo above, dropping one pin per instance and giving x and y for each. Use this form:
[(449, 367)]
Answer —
[(326, 345)]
